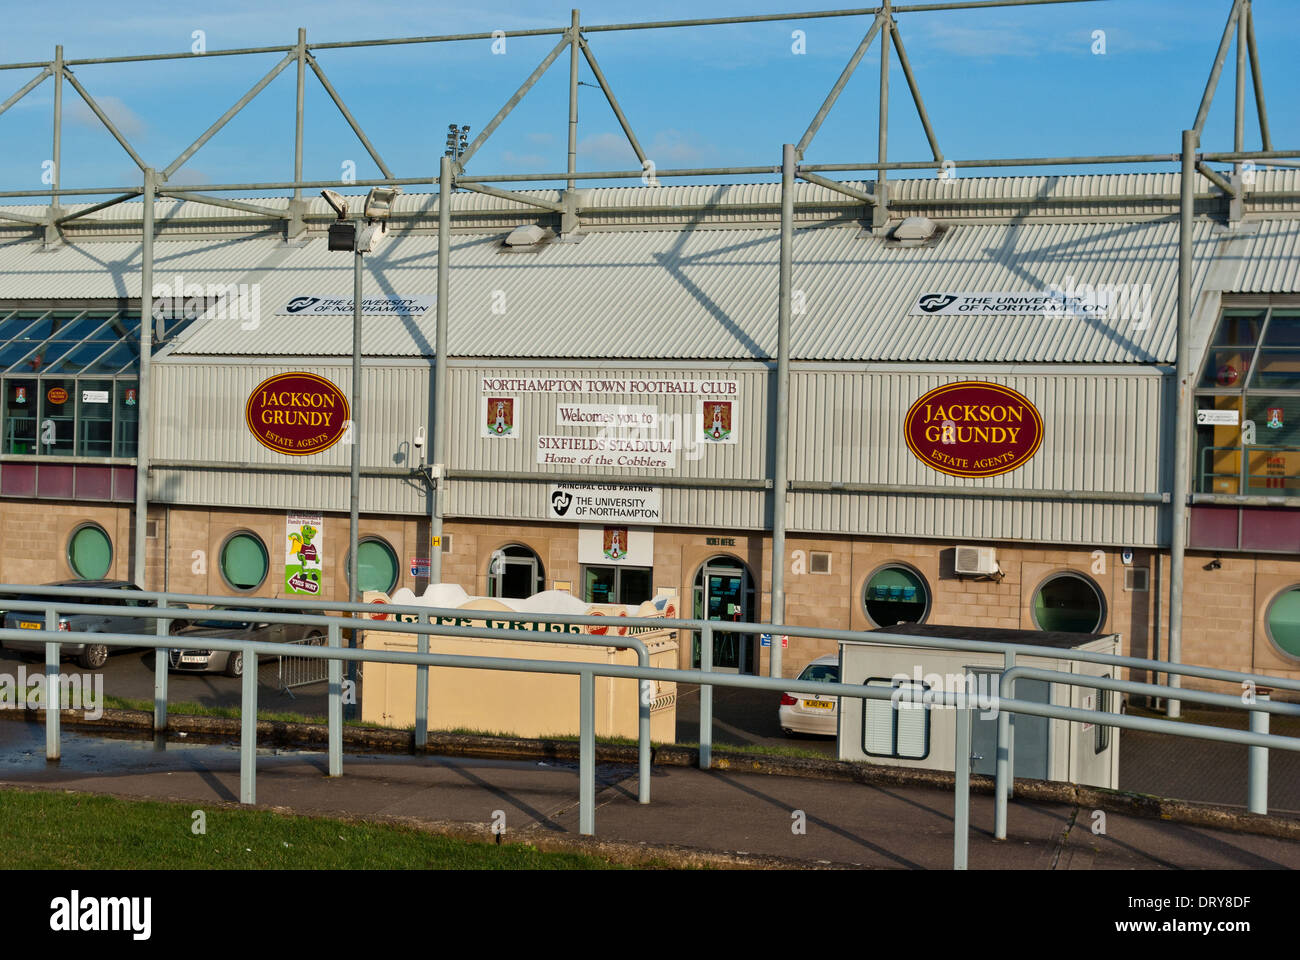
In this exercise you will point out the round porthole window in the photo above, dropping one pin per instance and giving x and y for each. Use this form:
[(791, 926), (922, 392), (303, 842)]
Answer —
[(896, 594), (1283, 621), (244, 561), (1069, 603), (90, 552)]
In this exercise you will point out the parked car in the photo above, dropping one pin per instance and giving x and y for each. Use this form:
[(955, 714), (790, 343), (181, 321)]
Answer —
[(231, 662), (802, 713), (90, 656)]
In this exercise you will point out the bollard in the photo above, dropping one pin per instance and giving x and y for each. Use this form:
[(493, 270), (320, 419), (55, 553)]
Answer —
[(422, 690), (161, 668), (961, 811), (53, 735), (587, 753), (706, 698), (335, 705), (248, 731), (1257, 774)]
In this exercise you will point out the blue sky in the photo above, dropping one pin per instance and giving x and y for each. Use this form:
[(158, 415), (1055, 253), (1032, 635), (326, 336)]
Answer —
[(1004, 82)]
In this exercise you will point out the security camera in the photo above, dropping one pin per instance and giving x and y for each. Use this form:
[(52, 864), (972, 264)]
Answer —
[(419, 438), (337, 201)]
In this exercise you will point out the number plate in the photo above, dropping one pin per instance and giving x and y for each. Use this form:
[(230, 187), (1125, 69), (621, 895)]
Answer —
[(28, 625), (194, 659), (819, 704)]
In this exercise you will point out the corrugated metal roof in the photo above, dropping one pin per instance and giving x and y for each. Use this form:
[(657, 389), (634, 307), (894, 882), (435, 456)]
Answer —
[(688, 293)]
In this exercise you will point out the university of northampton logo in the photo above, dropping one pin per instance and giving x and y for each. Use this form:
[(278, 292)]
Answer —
[(717, 420), (500, 416), (616, 542)]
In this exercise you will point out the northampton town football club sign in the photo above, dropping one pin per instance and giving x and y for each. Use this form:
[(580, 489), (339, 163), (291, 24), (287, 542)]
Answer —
[(973, 429)]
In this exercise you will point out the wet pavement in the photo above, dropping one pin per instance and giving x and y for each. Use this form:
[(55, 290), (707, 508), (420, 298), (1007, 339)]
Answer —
[(813, 822)]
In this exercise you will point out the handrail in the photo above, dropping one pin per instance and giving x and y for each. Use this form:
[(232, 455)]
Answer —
[(587, 672)]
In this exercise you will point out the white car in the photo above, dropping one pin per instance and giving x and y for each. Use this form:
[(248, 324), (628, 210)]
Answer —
[(803, 713)]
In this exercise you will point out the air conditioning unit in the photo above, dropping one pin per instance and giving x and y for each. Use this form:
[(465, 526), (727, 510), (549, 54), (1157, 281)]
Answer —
[(977, 561)]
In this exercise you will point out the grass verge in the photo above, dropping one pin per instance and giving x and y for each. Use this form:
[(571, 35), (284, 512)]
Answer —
[(47, 830)]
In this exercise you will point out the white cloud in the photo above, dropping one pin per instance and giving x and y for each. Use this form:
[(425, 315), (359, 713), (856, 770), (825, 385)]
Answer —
[(127, 121), (668, 148)]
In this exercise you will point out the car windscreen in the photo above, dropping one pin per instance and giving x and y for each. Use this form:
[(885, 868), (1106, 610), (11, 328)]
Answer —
[(821, 673)]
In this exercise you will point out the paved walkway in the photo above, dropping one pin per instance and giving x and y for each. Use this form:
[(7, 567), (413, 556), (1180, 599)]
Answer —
[(715, 811)]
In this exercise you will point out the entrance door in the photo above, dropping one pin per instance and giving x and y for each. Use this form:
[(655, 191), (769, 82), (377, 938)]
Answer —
[(724, 590)]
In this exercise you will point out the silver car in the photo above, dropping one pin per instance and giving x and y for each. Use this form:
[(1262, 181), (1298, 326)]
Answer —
[(805, 713), (231, 662), (90, 656)]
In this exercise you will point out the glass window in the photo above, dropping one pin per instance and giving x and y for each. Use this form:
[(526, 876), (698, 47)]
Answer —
[(896, 594), (1068, 603), (1278, 367), (902, 731), (1218, 444), (244, 561), (90, 552), (58, 409), (376, 566), (821, 672), (127, 410), (94, 418), (1101, 735), (612, 584), (1228, 359), (1284, 623), (20, 416)]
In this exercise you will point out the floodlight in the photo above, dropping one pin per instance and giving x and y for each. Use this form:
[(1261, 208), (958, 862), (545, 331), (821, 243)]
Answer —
[(379, 202), (337, 201)]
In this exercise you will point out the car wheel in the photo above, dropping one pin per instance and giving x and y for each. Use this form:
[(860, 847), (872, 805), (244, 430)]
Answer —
[(787, 731), (235, 664), (94, 656)]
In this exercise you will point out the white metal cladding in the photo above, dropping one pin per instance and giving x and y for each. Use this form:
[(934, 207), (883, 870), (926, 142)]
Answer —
[(536, 415), (713, 509), (1270, 262), (948, 518), (1101, 432), (713, 293), (199, 418)]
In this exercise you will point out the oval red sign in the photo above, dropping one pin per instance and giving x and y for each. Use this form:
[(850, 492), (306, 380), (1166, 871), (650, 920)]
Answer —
[(297, 413), (973, 429), (56, 395)]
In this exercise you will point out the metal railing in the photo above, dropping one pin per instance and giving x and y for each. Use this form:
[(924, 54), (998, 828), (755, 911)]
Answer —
[(1258, 739), (294, 671)]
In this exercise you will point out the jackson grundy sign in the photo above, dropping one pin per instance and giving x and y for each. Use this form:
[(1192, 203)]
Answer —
[(973, 429), (296, 413)]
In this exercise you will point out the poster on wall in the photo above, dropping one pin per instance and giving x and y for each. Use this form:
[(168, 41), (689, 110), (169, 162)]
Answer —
[(498, 416), (303, 553), (718, 421), (616, 545)]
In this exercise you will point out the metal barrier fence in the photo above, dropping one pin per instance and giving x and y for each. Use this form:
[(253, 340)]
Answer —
[(1257, 738), (302, 671)]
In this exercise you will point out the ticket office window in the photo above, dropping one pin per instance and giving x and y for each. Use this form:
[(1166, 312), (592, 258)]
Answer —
[(616, 584)]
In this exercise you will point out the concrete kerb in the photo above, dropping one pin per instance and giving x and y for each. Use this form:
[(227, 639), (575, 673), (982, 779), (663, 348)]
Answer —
[(1189, 813)]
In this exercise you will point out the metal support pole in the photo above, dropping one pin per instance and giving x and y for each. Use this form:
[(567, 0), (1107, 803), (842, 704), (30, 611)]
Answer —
[(780, 478), (1004, 769), (57, 146), (1257, 775), (144, 402), (961, 809), (573, 96), (1219, 57), (1239, 116), (298, 111), (1182, 414), (354, 497), (438, 443), (52, 704), (706, 698), (587, 754), (335, 709), (248, 730), (1257, 78), (161, 668), (643, 736), (880, 213), (422, 690)]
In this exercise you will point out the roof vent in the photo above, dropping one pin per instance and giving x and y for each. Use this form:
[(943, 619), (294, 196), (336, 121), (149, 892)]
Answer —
[(525, 236), (915, 228)]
